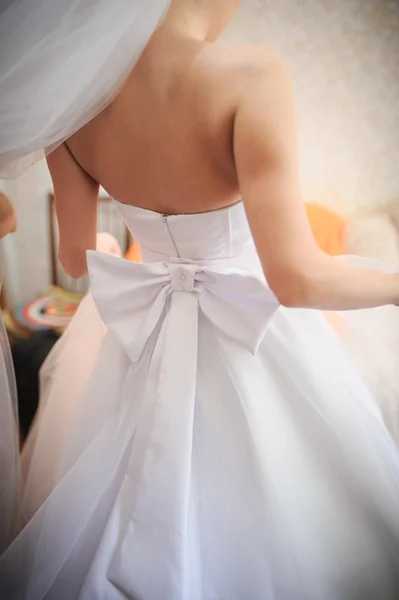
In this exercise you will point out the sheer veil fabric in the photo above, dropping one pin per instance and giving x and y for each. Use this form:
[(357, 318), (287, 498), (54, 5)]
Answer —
[(60, 64), (10, 480)]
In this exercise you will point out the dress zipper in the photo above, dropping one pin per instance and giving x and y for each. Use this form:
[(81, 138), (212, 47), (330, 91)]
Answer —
[(165, 220)]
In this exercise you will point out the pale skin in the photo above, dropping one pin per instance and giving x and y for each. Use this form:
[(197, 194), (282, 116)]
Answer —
[(8, 219), (196, 127)]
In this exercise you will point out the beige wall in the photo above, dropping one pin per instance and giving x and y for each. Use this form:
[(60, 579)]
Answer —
[(344, 57)]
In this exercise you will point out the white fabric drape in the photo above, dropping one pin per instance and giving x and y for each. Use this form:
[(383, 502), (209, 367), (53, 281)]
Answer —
[(60, 64)]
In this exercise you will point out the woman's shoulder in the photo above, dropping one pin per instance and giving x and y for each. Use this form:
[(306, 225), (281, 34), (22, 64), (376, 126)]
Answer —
[(241, 67), (248, 56)]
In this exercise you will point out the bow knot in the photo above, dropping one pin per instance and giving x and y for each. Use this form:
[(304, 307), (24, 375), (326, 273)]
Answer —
[(182, 277)]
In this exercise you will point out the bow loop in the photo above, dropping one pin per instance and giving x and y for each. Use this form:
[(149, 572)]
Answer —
[(133, 298)]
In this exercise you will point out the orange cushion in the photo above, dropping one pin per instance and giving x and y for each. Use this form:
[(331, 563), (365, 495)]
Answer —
[(134, 253), (328, 229)]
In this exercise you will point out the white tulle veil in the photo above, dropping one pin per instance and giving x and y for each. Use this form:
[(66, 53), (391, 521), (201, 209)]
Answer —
[(10, 479), (61, 62)]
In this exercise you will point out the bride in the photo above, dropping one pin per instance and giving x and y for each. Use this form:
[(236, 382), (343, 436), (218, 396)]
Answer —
[(222, 444)]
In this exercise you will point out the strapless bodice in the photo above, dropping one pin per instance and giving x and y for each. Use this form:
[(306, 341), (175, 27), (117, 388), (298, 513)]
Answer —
[(218, 235)]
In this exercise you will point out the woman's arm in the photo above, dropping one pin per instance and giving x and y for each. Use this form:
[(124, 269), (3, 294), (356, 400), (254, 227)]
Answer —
[(298, 272), (8, 219), (76, 200)]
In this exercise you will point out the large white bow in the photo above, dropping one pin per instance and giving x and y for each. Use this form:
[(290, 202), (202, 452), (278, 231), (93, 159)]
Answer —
[(132, 298)]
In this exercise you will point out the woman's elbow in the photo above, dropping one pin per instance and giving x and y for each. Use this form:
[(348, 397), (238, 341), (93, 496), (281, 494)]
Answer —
[(74, 263), (296, 291)]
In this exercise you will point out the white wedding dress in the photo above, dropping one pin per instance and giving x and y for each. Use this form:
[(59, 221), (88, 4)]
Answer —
[(210, 445)]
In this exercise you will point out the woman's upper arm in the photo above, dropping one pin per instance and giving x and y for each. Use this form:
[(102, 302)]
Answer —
[(8, 219), (76, 200), (267, 165)]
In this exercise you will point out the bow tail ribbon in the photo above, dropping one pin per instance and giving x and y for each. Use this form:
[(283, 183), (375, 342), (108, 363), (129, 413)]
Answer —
[(155, 537)]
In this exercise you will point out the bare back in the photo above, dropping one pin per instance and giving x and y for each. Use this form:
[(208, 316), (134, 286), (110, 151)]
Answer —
[(196, 127), (166, 142)]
